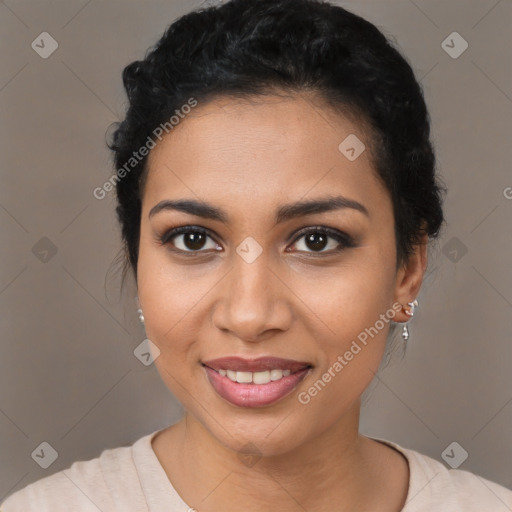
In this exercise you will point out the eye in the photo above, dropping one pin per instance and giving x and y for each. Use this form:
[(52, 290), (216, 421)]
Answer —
[(193, 240), (188, 239), (317, 239)]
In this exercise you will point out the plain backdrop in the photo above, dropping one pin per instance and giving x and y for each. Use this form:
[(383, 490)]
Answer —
[(68, 373)]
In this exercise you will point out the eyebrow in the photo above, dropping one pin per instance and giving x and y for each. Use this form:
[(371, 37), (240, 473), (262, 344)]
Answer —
[(284, 213)]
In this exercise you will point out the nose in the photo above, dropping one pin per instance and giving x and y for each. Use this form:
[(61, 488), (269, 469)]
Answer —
[(253, 303)]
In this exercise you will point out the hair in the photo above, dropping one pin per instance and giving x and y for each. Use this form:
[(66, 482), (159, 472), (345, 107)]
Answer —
[(248, 48)]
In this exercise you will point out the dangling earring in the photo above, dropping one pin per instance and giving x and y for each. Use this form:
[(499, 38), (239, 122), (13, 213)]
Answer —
[(139, 311), (405, 331)]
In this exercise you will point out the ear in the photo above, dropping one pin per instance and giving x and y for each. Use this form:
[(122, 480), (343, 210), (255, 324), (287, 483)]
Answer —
[(409, 278)]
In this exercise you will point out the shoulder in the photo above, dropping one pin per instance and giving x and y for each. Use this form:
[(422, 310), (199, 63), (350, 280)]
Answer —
[(85, 486), (433, 486)]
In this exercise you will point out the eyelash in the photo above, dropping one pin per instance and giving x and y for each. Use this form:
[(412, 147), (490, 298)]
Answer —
[(344, 239)]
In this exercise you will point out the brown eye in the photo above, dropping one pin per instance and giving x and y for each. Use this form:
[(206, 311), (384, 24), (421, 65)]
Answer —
[(316, 241), (194, 241), (319, 239), (188, 239)]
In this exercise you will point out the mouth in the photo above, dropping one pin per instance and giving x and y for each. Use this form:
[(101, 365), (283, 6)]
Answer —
[(255, 383)]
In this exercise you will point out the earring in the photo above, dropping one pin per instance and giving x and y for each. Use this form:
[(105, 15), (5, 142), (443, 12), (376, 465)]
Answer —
[(412, 305), (139, 311), (405, 330)]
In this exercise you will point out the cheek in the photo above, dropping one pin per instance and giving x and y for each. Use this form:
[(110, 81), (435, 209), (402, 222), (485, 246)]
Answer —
[(164, 289), (159, 294), (176, 297), (350, 311), (348, 298), (350, 345), (168, 306)]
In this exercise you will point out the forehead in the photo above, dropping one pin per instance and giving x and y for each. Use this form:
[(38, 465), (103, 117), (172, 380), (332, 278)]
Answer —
[(262, 150)]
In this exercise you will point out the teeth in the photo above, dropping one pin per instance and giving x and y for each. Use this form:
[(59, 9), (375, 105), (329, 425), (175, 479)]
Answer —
[(244, 377), (255, 377), (261, 377), (275, 374)]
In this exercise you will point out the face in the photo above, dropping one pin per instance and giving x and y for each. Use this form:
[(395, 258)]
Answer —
[(262, 278)]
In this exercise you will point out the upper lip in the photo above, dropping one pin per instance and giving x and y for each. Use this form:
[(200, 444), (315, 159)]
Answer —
[(260, 364)]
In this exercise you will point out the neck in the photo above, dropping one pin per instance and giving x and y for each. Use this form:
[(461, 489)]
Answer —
[(332, 466)]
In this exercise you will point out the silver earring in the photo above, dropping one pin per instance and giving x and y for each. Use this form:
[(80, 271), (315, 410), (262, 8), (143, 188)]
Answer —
[(405, 330), (139, 312), (412, 305)]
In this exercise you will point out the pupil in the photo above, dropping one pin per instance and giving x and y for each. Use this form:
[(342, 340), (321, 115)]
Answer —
[(316, 241), (194, 241)]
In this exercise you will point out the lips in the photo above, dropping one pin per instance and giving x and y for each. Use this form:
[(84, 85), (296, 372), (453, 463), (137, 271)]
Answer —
[(254, 395), (239, 364), (255, 382)]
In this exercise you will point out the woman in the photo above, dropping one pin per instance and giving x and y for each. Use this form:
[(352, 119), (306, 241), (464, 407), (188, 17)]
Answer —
[(276, 191)]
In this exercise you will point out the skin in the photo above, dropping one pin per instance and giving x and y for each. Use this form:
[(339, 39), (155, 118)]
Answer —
[(294, 301)]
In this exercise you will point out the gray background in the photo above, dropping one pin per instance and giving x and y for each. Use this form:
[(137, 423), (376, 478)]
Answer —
[(68, 374)]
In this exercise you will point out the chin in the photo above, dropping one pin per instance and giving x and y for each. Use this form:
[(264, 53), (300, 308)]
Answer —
[(257, 434)]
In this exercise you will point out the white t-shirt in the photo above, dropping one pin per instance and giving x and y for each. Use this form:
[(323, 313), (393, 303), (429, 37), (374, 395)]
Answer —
[(131, 478)]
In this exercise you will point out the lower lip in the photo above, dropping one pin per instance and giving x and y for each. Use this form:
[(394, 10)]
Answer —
[(254, 395)]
